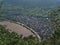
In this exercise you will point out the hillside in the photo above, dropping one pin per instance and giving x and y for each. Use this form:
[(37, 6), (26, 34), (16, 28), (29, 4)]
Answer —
[(32, 13), (29, 22), (12, 38)]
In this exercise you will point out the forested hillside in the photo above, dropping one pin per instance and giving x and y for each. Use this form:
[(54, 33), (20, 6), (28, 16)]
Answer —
[(41, 15), (12, 38), (30, 13)]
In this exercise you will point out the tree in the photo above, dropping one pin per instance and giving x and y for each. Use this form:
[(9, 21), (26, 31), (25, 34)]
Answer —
[(55, 19)]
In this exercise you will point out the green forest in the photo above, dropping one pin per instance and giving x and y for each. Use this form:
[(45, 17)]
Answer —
[(12, 38)]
